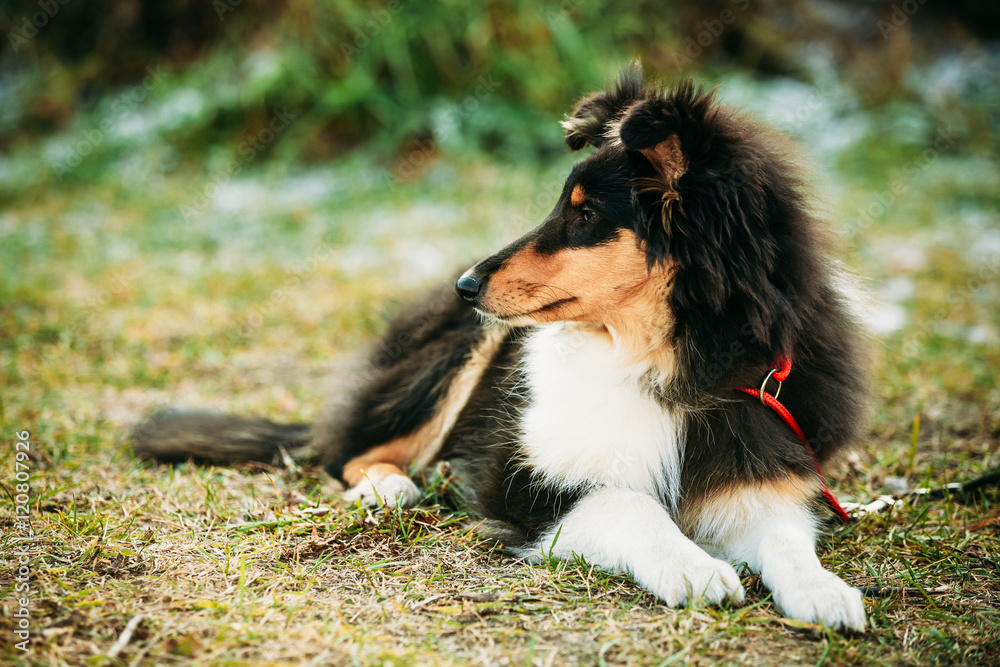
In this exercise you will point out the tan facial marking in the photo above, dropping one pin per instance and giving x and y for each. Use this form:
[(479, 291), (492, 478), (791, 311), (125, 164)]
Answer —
[(608, 284), (577, 196)]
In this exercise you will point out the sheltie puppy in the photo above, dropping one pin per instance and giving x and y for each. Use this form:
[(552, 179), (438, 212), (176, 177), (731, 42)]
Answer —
[(582, 384)]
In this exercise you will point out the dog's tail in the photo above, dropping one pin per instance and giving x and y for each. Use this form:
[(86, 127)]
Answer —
[(177, 434)]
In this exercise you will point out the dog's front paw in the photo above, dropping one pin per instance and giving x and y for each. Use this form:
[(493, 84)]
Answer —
[(825, 599), (391, 491), (693, 577)]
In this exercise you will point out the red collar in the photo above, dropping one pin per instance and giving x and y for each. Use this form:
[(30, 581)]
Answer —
[(779, 371)]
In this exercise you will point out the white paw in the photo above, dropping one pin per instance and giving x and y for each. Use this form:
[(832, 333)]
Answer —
[(391, 491), (692, 577), (824, 599)]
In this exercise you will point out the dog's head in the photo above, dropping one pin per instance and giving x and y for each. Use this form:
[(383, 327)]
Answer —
[(669, 230)]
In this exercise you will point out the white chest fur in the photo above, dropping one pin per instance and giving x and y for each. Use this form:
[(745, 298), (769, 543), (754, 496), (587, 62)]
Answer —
[(591, 423)]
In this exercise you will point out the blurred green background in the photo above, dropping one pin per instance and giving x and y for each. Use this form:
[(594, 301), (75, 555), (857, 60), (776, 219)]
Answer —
[(206, 201)]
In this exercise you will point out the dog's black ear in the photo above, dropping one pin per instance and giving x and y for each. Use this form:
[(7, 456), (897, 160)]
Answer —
[(667, 134), (588, 124), (647, 132), (669, 130)]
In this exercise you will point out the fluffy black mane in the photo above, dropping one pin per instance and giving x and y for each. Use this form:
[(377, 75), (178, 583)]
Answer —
[(754, 281)]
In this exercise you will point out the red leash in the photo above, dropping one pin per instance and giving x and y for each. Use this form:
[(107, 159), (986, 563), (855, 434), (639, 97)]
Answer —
[(780, 371)]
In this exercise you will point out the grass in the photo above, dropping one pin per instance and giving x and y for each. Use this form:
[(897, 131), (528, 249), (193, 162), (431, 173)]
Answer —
[(112, 303)]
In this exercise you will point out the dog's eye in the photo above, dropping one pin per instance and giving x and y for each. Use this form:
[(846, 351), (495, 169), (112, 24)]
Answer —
[(584, 215)]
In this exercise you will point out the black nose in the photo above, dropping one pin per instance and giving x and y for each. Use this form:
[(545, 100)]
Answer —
[(468, 286)]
